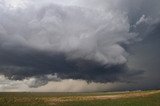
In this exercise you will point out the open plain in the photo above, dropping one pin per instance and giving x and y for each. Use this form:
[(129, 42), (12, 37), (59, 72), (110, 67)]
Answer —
[(127, 98)]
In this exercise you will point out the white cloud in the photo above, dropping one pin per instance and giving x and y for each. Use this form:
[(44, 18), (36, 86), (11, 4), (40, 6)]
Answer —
[(10, 85), (76, 31), (143, 19), (54, 86), (77, 86)]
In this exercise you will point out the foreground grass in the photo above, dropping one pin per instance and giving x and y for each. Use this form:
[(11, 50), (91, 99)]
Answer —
[(153, 100), (141, 98)]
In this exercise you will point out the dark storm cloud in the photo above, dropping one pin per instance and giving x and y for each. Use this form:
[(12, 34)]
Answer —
[(145, 57), (136, 8), (18, 65), (73, 40), (144, 15)]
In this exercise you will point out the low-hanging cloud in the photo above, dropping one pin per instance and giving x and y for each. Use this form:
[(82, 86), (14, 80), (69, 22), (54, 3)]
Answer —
[(73, 42)]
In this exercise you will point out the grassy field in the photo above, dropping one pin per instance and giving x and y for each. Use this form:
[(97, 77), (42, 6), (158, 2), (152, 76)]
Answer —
[(134, 98)]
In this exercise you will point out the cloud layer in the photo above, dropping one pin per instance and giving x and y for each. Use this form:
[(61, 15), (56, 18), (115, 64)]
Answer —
[(70, 39)]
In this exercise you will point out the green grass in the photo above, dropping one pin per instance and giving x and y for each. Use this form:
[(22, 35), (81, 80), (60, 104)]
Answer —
[(153, 100), (39, 99)]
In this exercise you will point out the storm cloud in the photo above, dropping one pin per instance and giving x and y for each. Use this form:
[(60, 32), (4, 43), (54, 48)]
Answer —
[(72, 40)]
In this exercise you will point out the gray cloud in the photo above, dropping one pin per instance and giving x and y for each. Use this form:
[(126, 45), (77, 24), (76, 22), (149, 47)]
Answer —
[(69, 30), (72, 39), (144, 53), (20, 65), (73, 42)]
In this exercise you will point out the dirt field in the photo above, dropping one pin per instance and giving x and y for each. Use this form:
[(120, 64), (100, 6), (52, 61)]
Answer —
[(121, 95), (143, 98)]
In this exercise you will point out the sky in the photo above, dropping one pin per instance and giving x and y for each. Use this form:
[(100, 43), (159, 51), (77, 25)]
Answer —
[(79, 45)]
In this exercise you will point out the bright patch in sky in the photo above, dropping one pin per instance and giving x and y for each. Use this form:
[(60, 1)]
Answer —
[(13, 4)]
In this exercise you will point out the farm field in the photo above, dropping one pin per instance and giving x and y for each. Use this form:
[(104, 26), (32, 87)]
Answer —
[(132, 98)]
